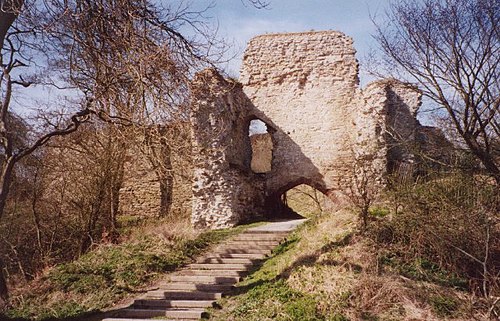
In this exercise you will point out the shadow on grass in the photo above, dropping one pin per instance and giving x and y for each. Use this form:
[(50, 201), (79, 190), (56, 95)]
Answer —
[(312, 259)]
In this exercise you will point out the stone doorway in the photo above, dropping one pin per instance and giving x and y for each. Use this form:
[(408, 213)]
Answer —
[(261, 139), (299, 199)]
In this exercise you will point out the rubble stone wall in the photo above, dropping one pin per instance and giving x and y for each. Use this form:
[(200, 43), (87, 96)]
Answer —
[(226, 191), (157, 174), (321, 125)]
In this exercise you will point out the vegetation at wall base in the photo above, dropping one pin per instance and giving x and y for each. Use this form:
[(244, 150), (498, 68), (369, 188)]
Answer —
[(330, 270), (110, 273)]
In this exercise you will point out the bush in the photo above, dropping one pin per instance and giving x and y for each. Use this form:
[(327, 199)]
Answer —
[(447, 223)]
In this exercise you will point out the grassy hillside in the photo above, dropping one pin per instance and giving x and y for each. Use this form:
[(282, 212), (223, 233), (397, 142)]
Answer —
[(404, 266), (111, 272), (328, 270)]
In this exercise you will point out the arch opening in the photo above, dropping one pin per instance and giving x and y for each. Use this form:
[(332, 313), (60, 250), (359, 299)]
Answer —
[(299, 199), (262, 143)]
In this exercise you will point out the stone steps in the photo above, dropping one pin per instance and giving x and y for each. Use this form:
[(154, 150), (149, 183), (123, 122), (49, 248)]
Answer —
[(206, 277), (229, 260), (253, 243), (220, 274), (183, 295), (144, 303), (187, 293), (185, 286), (241, 245), (259, 237), (243, 250), (130, 319), (255, 256), (183, 314), (219, 266)]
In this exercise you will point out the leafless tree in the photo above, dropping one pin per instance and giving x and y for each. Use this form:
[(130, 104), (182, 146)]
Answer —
[(128, 63), (362, 187), (451, 49), (12, 154)]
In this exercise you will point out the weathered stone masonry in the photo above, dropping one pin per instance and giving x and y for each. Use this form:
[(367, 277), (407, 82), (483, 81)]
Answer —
[(305, 87), (225, 190), (157, 173)]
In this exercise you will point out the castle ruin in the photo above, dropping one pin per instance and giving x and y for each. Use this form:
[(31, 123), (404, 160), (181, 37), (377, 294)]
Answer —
[(305, 88)]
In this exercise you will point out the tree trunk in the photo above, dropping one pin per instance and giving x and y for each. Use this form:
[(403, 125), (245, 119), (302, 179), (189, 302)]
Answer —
[(5, 181), (8, 13), (4, 293)]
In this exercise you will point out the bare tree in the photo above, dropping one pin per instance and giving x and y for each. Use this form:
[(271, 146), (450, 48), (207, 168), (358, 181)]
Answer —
[(12, 153), (362, 188), (127, 62), (451, 49)]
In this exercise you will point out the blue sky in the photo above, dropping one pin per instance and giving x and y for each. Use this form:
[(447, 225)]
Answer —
[(238, 21)]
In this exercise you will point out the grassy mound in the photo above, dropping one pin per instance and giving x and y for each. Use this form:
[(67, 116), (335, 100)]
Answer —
[(111, 272), (328, 271)]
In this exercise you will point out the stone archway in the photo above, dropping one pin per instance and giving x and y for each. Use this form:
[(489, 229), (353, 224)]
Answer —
[(306, 87), (276, 204), (262, 141)]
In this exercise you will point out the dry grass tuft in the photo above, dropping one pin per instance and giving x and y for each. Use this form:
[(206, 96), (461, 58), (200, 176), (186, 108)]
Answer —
[(172, 230)]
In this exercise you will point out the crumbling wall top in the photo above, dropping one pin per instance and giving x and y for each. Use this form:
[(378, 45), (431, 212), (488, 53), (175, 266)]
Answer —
[(320, 58), (300, 33)]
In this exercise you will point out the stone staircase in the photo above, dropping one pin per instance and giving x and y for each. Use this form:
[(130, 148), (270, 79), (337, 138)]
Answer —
[(186, 294)]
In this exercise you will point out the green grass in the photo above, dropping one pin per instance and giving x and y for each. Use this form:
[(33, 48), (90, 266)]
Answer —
[(266, 294), (276, 301), (377, 211), (111, 272), (443, 306), (423, 270)]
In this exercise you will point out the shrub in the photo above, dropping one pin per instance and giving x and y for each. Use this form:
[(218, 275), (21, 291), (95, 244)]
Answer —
[(448, 222)]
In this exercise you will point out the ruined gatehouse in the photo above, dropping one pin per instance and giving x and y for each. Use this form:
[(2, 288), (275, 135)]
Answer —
[(305, 88)]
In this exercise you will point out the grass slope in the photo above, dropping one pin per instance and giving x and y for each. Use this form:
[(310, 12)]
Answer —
[(326, 271), (111, 272)]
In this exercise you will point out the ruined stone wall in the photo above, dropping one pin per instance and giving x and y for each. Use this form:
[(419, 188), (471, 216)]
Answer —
[(322, 126), (262, 152), (404, 100), (303, 85), (226, 192), (140, 194), (386, 123), (157, 174)]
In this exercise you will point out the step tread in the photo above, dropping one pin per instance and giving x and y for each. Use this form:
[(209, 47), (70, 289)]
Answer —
[(186, 295), (228, 260), (206, 279), (187, 313), (239, 255), (213, 272), (232, 250), (191, 286), (254, 242), (164, 303), (132, 319), (248, 246), (139, 313), (219, 266)]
